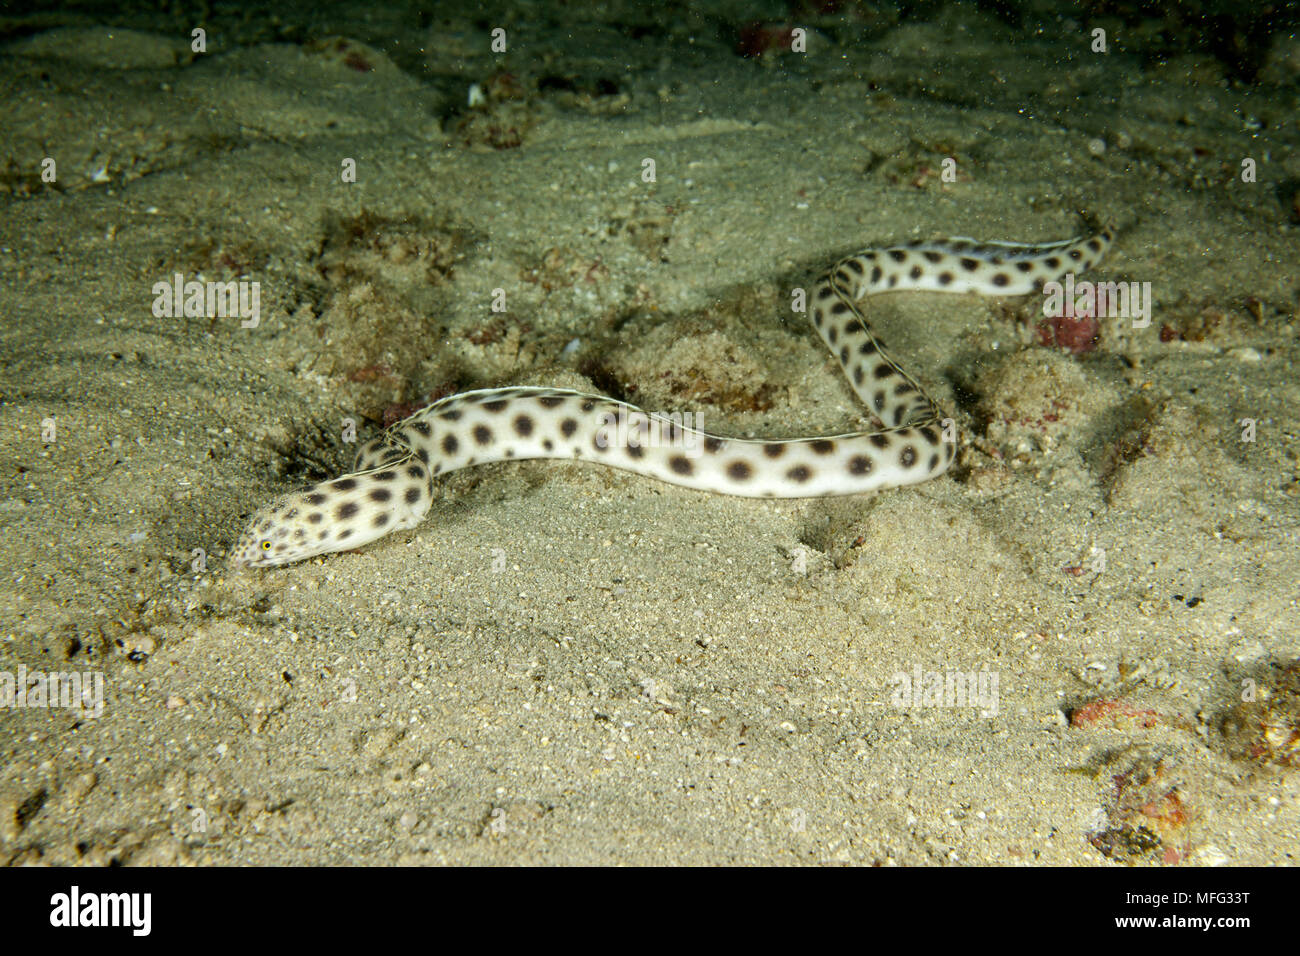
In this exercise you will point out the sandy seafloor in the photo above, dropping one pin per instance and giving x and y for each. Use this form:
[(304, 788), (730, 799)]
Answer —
[(568, 664)]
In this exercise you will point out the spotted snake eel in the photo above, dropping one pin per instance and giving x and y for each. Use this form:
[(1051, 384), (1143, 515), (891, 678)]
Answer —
[(392, 486)]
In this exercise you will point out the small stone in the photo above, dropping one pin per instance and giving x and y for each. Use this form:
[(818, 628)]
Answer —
[(1210, 855)]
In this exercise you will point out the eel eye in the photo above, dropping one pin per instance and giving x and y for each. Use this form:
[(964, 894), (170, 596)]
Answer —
[(266, 545)]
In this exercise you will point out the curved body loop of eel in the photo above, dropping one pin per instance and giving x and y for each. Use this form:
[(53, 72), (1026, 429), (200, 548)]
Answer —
[(392, 489)]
